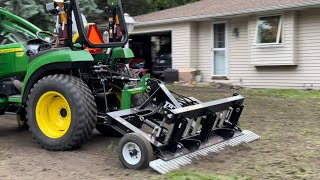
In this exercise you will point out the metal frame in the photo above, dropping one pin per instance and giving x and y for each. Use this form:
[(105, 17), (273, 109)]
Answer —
[(74, 6), (184, 125)]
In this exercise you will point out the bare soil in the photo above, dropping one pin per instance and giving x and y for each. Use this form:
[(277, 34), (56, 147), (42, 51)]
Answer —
[(289, 147)]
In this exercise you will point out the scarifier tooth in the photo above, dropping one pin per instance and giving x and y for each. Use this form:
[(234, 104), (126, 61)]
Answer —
[(173, 164), (158, 164), (215, 149), (235, 142), (212, 149), (203, 153), (184, 160), (164, 167), (193, 155), (179, 161)]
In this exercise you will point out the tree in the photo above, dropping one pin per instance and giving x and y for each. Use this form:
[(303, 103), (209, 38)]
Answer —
[(91, 10), (136, 7), (95, 10), (23, 8)]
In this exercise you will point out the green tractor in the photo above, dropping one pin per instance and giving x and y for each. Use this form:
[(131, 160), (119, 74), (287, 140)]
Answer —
[(31, 58), (64, 85)]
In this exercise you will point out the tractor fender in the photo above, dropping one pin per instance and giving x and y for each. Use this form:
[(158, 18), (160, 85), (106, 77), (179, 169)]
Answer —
[(54, 63)]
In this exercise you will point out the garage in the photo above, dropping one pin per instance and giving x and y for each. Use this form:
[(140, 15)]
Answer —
[(153, 52)]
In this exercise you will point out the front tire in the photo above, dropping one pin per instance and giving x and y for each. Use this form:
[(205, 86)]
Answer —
[(61, 112)]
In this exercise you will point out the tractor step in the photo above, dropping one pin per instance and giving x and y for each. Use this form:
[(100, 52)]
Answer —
[(165, 167), (15, 99)]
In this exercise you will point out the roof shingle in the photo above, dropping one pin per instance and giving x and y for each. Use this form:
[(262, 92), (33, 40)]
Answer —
[(215, 8)]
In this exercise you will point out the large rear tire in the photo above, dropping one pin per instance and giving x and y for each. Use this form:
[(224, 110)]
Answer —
[(61, 112)]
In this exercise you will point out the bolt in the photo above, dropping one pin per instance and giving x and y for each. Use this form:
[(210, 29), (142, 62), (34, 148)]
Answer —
[(238, 110)]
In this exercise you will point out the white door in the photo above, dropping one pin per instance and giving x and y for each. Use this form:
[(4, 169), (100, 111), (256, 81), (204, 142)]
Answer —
[(220, 56)]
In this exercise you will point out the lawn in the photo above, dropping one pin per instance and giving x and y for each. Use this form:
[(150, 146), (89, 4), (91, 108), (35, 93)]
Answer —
[(288, 122)]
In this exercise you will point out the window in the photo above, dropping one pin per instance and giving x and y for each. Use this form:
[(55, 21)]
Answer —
[(269, 30)]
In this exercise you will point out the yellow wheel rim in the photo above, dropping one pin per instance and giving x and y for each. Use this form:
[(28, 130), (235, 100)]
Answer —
[(53, 114)]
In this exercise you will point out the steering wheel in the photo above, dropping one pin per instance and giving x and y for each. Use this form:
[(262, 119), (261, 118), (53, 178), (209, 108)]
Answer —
[(39, 33)]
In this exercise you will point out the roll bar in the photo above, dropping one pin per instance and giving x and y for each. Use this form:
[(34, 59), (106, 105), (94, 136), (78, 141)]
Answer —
[(75, 8)]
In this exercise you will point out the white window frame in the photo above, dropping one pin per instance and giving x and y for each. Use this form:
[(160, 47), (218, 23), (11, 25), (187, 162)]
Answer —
[(279, 35), (226, 49)]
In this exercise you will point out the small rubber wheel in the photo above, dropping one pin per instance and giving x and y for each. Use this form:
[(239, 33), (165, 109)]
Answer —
[(22, 121), (135, 151), (2, 111), (106, 130)]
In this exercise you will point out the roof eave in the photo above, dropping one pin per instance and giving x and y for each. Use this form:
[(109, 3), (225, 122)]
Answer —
[(230, 14)]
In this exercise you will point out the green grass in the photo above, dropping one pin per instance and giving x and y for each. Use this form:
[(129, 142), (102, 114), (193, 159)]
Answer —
[(286, 93), (183, 175), (300, 94)]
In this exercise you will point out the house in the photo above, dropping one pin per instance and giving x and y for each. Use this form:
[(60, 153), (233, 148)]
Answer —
[(251, 43)]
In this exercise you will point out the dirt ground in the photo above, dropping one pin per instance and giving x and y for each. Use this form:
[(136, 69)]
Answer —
[(289, 147)]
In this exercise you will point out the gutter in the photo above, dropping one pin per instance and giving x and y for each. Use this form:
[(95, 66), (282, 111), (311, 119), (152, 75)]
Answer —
[(312, 4)]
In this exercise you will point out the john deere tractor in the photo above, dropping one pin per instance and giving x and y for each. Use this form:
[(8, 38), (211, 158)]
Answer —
[(63, 85)]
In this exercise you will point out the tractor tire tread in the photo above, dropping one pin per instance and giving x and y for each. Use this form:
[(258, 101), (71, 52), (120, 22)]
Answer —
[(86, 110)]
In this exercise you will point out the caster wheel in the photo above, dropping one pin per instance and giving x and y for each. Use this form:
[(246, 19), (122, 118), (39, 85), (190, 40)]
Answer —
[(135, 151), (22, 122)]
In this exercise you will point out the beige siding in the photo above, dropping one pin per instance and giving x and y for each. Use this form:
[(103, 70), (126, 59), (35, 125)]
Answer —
[(239, 49), (194, 45), (181, 42), (204, 49), (274, 55), (307, 52)]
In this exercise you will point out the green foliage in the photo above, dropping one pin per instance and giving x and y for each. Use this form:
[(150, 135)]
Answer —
[(23, 8), (95, 10), (136, 7), (91, 10)]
